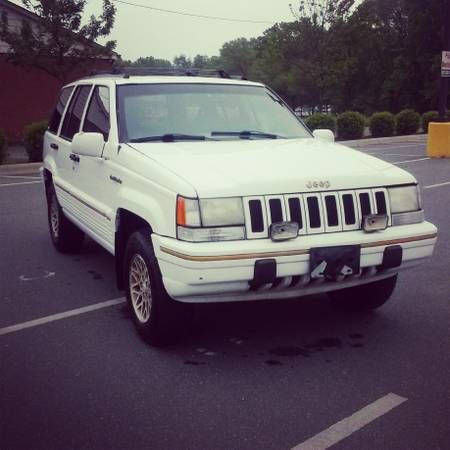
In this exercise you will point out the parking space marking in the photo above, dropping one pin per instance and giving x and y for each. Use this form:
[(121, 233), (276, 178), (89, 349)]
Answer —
[(351, 424), (59, 316), (410, 160), (391, 154), (385, 147), (20, 176), (19, 184), (430, 186)]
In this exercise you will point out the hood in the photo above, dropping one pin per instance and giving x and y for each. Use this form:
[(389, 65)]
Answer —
[(263, 167)]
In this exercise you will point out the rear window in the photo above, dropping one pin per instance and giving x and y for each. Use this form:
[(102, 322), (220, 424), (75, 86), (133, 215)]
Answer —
[(59, 109)]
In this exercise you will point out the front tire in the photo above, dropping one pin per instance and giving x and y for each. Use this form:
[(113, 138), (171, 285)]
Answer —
[(157, 317), (365, 297), (66, 237)]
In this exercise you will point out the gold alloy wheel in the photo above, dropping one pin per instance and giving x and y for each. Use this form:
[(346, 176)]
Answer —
[(140, 288), (54, 216)]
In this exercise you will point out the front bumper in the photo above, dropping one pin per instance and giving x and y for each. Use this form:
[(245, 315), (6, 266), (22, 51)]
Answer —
[(223, 271)]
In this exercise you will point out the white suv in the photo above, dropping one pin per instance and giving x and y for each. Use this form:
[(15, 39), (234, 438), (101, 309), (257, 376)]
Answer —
[(211, 190)]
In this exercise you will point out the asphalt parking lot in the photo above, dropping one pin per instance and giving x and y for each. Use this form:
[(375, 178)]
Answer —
[(270, 375)]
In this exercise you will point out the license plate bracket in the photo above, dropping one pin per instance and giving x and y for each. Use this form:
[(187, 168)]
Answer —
[(335, 262)]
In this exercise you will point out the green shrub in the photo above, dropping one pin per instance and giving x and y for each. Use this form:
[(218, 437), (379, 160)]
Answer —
[(34, 140), (408, 122), (321, 121), (382, 124), (2, 145), (350, 125), (427, 117)]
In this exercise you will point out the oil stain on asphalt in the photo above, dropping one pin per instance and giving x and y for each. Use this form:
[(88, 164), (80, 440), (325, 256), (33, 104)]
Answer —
[(290, 351)]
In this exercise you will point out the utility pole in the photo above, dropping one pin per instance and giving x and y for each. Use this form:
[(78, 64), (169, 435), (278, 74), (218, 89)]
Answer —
[(443, 91)]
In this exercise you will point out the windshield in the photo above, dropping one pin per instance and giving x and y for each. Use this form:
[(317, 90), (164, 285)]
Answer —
[(169, 112)]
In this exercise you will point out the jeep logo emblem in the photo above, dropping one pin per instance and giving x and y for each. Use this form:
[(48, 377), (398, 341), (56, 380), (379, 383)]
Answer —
[(318, 184)]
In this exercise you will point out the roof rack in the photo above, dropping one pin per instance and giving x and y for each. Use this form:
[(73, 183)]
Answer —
[(127, 72)]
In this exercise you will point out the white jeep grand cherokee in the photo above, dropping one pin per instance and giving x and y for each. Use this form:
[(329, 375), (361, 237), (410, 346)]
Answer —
[(211, 190)]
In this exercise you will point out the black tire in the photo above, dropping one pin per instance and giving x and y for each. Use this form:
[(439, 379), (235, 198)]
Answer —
[(66, 237), (364, 297), (158, 318)]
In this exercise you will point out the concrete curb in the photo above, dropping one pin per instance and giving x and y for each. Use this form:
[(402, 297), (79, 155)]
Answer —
[(386, 140), (20, 169)]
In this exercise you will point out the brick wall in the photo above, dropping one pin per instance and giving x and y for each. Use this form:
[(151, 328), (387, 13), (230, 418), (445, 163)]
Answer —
[(28, 95)]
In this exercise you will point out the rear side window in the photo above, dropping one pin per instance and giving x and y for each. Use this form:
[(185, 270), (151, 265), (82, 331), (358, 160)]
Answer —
[(72, 119), (97, 116), (59, 109)]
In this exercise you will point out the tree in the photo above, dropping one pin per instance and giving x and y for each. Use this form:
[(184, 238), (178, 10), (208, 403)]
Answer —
[(150, 61), (182, 62), (238, 56), (58, 42), (317, 21)]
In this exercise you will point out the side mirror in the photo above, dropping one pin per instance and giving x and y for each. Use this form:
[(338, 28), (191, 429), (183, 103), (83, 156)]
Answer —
[(324, 135), (88, 144)]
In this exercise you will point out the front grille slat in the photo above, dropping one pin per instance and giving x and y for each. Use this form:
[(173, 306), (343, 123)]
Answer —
[(332, 213), (349, 209), (381, 202), (364, 201), (276, 213), (315, 213), (256, 216), (295, 211)]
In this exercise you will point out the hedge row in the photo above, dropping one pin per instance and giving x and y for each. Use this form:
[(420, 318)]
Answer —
[(34, 140), (351, 124)]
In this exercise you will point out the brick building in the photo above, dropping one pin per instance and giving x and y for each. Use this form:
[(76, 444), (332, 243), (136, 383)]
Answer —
[(27, 94)]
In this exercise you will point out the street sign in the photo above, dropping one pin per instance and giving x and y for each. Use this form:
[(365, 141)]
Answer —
[(445, 66)]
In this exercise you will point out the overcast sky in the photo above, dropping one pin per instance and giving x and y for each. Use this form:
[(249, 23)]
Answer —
[(143, 32)]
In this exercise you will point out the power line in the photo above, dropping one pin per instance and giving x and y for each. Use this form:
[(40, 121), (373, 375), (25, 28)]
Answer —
[(184, 13)]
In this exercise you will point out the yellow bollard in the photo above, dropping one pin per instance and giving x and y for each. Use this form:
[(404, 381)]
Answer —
[(438, 140)]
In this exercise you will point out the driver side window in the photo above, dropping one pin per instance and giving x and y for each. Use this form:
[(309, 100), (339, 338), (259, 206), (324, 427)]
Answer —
[(97, 116)]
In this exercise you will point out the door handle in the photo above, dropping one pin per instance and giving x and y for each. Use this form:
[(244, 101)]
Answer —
[(74, 157), (54, 146)]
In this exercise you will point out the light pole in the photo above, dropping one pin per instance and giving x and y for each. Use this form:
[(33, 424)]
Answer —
[(443, 91)]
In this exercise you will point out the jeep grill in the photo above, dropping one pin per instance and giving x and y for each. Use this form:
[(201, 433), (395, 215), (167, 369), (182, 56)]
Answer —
[(323, 212)]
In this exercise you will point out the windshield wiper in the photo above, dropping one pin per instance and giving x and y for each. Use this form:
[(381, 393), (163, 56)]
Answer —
[(170, 137), (247, 134)]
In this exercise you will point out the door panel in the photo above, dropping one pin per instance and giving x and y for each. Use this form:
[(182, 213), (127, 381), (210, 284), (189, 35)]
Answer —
[(90, 177)]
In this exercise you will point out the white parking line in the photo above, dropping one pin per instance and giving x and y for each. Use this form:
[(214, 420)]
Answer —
[(20, 176), (59, 316), (351, 424), (410, 160), (385, 147), (446, 183), (19, 184), (391, 154)]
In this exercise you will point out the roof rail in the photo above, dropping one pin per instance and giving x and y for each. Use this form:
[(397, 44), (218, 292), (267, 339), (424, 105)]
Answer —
[(126, 72)]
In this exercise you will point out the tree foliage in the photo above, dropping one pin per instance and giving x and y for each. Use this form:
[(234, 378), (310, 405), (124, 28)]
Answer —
[(375, 55), (59, 41)]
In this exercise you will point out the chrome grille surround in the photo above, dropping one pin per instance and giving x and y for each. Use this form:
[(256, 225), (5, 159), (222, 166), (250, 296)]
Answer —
[(313, 211)]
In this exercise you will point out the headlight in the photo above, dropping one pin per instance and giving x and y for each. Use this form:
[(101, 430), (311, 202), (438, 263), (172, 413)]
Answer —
[(206, 220), (222, 211), (404, 199)]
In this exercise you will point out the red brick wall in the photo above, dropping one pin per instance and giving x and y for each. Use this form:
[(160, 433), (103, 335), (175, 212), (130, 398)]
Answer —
[(28, 95)]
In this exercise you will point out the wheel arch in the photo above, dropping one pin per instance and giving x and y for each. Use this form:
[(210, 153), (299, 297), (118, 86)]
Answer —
[(127, 222)]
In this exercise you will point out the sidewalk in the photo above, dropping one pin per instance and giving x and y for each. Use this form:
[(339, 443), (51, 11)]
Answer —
[(15, 162)]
